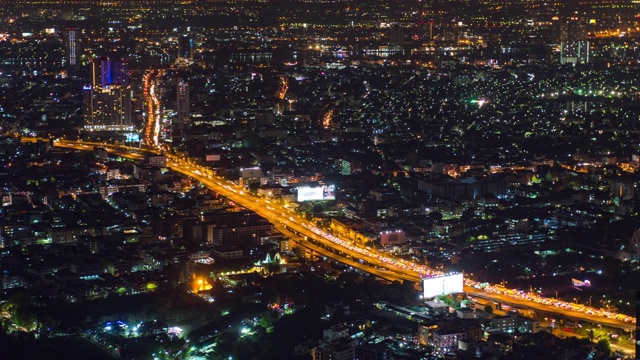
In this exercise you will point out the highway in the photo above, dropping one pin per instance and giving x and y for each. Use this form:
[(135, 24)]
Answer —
[(345, 251), (348, 252), (550, 309), (286, 221), (154, 113)]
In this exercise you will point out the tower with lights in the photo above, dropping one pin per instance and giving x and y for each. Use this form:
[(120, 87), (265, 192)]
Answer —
[(182, 101), (107, 101)]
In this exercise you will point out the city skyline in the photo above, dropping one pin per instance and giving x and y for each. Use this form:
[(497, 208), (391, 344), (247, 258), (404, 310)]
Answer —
[(320, 179)]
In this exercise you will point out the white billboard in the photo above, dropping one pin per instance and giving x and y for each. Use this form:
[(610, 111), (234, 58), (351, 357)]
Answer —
[(132, 137), (250, 173), (316, 193), (442, 285), (392, 237)]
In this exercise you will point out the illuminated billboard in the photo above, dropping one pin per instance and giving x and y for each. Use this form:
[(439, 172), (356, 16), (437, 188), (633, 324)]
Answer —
[(392, 237), (133, 137), (442, 285), (580, 283), (316, 193)]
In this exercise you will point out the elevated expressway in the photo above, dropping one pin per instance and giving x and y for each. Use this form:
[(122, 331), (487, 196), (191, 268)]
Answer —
[(291, 224), (307, 235), (288, 222)]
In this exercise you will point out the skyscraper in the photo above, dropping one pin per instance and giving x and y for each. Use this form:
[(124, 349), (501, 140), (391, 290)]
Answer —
[(186, 46), (120, 72), (182, 100), (110, 72), (107, 102), (107, 108), (71, 47), (574, 43), (396, 36)]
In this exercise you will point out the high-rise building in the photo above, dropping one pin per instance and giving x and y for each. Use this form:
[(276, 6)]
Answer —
[(120, 72), (107, 108), (182, 101), (312, 56), (107, 102), (186, 46), (396, 35), (574, 43), (108, 72), (71, 47)]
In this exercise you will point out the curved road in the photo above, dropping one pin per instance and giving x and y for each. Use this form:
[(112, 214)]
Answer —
[(286, 221), (279, 215), (154, 114), (550, 309)]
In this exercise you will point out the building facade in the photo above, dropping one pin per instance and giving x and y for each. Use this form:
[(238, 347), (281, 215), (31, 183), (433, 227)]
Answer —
[(183, 107), (107, 101)]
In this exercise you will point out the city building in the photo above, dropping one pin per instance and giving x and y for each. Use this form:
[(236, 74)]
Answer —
[(182, 101), (396, 35), (107, 101), (373, 352), (71, 47), (513, 323), (471, 188), (335, 332), (107, 109), (236, 229), (186, 46), (575, 48), (339, 349), (158, 161)]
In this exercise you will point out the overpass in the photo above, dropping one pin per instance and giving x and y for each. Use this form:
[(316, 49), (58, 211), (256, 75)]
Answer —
[(315, 239)]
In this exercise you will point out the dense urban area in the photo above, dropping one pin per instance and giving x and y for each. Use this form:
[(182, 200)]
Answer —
[(319, 179)]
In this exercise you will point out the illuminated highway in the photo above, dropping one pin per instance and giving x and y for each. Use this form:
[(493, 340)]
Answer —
[(288, 222), (523, 303), (366, 259), (394, 269), (123, 150), (154, 113), (282, 90)]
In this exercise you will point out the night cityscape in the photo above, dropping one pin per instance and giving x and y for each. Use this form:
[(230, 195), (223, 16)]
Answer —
[(319, 179)]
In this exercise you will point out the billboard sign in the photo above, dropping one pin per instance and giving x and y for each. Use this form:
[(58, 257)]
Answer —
[(251, 173), (316, 193), (392, 237), (133, 137), (442, 285), (580, 283)]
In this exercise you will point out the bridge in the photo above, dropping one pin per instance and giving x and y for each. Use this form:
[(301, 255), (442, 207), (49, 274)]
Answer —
[(313, 238)]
